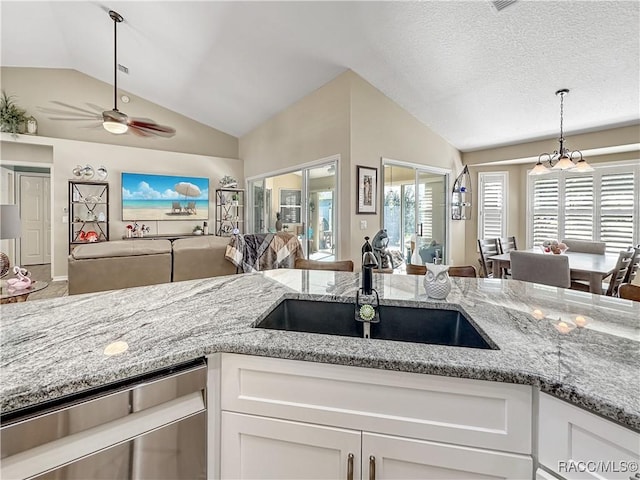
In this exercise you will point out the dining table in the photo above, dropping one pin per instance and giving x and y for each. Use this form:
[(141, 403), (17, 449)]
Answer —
[(590, 267)]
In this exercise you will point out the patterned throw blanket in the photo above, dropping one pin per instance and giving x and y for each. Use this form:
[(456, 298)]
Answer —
[(263, 251)]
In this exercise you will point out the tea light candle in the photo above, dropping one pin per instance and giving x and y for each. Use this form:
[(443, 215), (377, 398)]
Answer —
[(538, 314), (581, 321), (564, 326)]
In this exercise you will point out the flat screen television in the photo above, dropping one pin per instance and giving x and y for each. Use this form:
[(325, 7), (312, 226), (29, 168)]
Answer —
[(164, 197)]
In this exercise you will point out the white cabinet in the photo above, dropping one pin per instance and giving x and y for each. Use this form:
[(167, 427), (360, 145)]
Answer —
[(576, 444), (386, 457), (268, 448), (258, 447), (291, 419)]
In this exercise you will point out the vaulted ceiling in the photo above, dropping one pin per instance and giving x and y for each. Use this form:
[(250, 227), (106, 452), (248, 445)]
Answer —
[(477, 76)]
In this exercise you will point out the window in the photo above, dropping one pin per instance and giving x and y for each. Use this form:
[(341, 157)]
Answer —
[(600, 206), (492, 200)]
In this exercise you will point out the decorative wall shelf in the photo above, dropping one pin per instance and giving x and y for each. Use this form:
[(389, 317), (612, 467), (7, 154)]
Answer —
[(461, 196)]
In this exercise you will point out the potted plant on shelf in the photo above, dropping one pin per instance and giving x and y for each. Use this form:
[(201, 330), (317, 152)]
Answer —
[(197, 230), (12, 117), (234, 199)]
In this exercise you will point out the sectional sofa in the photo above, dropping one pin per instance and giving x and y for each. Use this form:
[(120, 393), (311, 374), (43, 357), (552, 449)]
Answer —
[(96, 267)]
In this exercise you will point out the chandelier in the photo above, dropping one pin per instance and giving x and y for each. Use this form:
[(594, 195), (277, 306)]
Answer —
[(561, 159)]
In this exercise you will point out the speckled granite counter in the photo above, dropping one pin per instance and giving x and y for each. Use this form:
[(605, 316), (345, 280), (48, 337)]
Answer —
[(52, 348)]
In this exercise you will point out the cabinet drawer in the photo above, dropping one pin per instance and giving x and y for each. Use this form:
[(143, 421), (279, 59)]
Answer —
[(461, 411), (577, 444)]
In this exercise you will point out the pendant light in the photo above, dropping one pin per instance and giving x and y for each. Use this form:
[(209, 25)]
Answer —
[(561, 159)]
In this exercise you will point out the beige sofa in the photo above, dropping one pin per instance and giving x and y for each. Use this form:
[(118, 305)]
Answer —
[(96, 267)]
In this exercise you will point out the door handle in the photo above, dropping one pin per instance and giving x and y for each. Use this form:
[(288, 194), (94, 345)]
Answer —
[(350, 466), (372, 468), (421, 229)]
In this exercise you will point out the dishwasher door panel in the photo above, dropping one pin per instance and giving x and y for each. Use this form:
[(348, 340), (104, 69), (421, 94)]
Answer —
[(159, 455)]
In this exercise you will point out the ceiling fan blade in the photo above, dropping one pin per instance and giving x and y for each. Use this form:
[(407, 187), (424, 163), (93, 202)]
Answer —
[(152, 127), (72, 107), (138, 132), (97, 108), (69, 115)]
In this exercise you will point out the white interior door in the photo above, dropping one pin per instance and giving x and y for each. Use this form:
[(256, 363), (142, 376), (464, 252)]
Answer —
[(35, 218)]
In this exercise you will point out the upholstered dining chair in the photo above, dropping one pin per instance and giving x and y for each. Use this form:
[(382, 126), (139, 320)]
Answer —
[(487, 248), (618, 275), (629, 292), (337, 266), (539, 268), (585, 246), (454, 271)]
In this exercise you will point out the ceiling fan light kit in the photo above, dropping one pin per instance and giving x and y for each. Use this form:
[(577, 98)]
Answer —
[(561, 159)]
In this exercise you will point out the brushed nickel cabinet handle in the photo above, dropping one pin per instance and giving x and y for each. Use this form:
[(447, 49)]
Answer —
[(372, 468), (350, 466)]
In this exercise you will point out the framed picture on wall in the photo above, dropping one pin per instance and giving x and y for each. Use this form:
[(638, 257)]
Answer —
[(290, 205), (367, 190)]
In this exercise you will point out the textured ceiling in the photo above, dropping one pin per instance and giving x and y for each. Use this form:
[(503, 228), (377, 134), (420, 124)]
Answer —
[(478, 77)]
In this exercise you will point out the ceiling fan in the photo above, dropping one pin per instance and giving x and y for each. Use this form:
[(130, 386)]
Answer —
[(113, 121)]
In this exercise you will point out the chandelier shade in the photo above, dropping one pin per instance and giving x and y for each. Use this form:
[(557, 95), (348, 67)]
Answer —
[(561, 159)]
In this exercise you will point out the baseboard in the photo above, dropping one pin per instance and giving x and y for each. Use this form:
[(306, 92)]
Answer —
[(62, 278)]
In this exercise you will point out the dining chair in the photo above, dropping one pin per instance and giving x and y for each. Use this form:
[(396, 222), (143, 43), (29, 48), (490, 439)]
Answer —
[(538, 268), (337, 266), (487, 248), (624, 260), (632, 270), (454, 271), (507, 244), (585, 246), (629, 292)]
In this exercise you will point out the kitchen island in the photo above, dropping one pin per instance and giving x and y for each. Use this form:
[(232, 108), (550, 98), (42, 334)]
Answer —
[(55, 348)]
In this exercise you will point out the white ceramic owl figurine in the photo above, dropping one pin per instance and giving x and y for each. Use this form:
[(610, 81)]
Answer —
[(436, 281)]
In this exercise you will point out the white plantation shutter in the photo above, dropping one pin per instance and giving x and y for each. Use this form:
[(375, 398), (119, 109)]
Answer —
[(492, 210), (617, 210), (578, 207), (545, 209), (425, 210), (602, 205)]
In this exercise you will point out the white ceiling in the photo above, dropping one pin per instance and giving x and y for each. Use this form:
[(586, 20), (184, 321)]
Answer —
[(478, 77)]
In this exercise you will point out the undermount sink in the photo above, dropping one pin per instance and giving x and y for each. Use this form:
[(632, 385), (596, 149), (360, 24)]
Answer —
[(403, 324)]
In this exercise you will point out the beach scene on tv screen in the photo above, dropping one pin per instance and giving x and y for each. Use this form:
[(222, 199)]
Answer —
[(164, 197)]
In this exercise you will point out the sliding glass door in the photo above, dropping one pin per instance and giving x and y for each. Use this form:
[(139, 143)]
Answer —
[(415, 210), (302, 202)]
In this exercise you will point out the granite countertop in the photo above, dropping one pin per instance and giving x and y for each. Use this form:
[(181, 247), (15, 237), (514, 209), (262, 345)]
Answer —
[(52, 348)]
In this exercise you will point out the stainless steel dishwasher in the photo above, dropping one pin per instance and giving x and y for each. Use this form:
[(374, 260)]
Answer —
[(153, 427)]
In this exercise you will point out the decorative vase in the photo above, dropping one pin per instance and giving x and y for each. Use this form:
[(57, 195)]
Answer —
[(437, 283), (32, 126)]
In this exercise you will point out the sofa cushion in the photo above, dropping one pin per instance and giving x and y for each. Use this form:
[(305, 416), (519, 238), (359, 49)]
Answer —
[(200, 257), (121, 248)]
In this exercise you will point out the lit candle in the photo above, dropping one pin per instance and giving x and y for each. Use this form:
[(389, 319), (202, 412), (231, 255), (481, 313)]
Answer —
[(537, 314), (580, 321), (564, 327)]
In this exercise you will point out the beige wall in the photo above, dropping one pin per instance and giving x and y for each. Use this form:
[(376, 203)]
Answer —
[(380, 128), (37, 87), (313, 128), (66, 154), (351, 118)]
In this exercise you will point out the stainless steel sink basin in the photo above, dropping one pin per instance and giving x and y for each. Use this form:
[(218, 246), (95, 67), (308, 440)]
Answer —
[(404, 324)]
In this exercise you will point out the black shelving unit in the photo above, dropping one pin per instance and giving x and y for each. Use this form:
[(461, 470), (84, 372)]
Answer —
[(461, 196), (229, 211), (88, 212)]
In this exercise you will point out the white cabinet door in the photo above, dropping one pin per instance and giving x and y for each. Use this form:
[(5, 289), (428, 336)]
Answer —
[(410, 459), (266, 448)]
